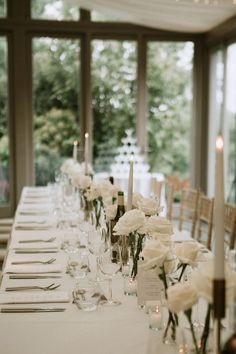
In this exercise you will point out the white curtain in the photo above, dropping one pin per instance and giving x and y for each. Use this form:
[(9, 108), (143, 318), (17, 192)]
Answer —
[(173, 15)]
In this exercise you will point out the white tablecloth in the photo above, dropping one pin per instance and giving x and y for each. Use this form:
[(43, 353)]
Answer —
[(116, 330)]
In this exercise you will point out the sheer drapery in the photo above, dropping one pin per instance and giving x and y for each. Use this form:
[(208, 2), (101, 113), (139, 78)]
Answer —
[(173, 15)]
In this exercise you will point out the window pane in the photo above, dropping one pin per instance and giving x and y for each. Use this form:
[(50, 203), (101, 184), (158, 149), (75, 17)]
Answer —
[(54, 10), (114, 65), (3, 8), (169, 80), (215, 106), (4, 138), (56, 103), (230, 125)]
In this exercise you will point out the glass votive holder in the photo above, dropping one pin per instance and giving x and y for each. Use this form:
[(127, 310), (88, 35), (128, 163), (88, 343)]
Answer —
[(78, 265), (86, 295), (130, 286), (155, 318)]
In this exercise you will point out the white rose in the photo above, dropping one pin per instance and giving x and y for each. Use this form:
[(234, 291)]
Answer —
[(75, 170), (137, 197), (85, 182), (158, 224), (148, 206), (202, 278), (110, 212), (188, 252), (89, 171), (75, 180), (163, 238), (181, 297), (131, 221), (94, 191), (154, 254), (67, 166)]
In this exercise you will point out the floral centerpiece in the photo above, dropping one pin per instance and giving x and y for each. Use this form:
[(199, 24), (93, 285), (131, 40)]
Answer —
[(200, 285), (130, 225)]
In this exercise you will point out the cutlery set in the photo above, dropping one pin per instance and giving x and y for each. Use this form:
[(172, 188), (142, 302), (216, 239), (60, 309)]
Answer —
[(30, 310), (50, 261), (33, 287)]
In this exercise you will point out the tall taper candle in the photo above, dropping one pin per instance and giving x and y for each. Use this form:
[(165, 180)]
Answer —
[(86, 152), (130, 185), (75, 151), (219, 210)]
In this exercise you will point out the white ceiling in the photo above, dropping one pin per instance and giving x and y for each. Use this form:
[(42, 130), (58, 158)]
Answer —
[(173, 15)]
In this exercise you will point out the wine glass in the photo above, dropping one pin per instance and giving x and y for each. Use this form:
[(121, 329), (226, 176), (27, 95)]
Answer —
[(96, 246), (78, 265), (110, 263)]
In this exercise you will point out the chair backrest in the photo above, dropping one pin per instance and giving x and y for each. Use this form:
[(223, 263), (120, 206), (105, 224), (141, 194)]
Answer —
[(230, 224), (205, 220), (173, 187), (188, 208), (156, 188)]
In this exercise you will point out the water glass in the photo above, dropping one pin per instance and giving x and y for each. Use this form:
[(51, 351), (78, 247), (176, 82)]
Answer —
[(78, 265), (86, 295), (71, 241)]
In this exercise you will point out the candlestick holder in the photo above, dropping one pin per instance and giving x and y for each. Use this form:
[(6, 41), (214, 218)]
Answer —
[(219, 308)]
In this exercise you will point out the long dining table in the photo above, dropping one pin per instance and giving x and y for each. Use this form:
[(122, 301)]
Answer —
[(120, 329)]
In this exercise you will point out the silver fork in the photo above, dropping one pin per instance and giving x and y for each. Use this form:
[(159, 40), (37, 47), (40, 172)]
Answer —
[(25, 288), (50, 261), (51, 239)]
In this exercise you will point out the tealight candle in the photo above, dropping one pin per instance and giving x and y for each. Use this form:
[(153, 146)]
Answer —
[(130, 287), (155, 319)]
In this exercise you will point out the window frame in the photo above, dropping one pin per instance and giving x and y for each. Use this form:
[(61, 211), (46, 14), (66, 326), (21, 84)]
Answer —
[(21, 29)]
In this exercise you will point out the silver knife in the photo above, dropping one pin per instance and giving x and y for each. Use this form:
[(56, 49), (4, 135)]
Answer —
[(35, 251), (31, 310), (34, 276)]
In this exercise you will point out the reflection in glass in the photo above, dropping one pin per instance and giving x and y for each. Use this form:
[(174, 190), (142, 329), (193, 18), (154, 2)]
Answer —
[(169, 82), (114, 65), (4, 138), (54, 10), (56, 103)]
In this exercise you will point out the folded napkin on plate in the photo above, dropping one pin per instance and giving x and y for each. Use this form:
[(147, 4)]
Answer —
[(33, 200), (32, 226), (15, 244), (34, 297), (35, 210), (33, 269)]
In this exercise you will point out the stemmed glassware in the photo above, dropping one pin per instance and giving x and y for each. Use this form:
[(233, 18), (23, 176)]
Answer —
[(110, 263), (96, 246)]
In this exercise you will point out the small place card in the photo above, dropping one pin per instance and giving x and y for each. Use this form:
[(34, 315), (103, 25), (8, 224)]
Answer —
[(149, 286)]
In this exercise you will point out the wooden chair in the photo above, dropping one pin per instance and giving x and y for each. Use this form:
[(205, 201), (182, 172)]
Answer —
[(205, 220), (173, 187), (188, 209), (156, 188), (230, 225)]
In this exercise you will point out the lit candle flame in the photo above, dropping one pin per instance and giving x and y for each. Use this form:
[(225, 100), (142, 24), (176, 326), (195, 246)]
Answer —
[(75, 142), (219, 143), (86, 135)]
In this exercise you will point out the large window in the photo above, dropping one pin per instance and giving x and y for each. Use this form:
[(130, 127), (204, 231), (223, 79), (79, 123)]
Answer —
[(114, 66), (215, 112), (4, 132), (230, 124), (169, 81), (56, 68)]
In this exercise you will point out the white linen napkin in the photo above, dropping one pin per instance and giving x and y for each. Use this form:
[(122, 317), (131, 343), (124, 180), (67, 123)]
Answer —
[(34, 297), (33, 226), (32, 268)]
